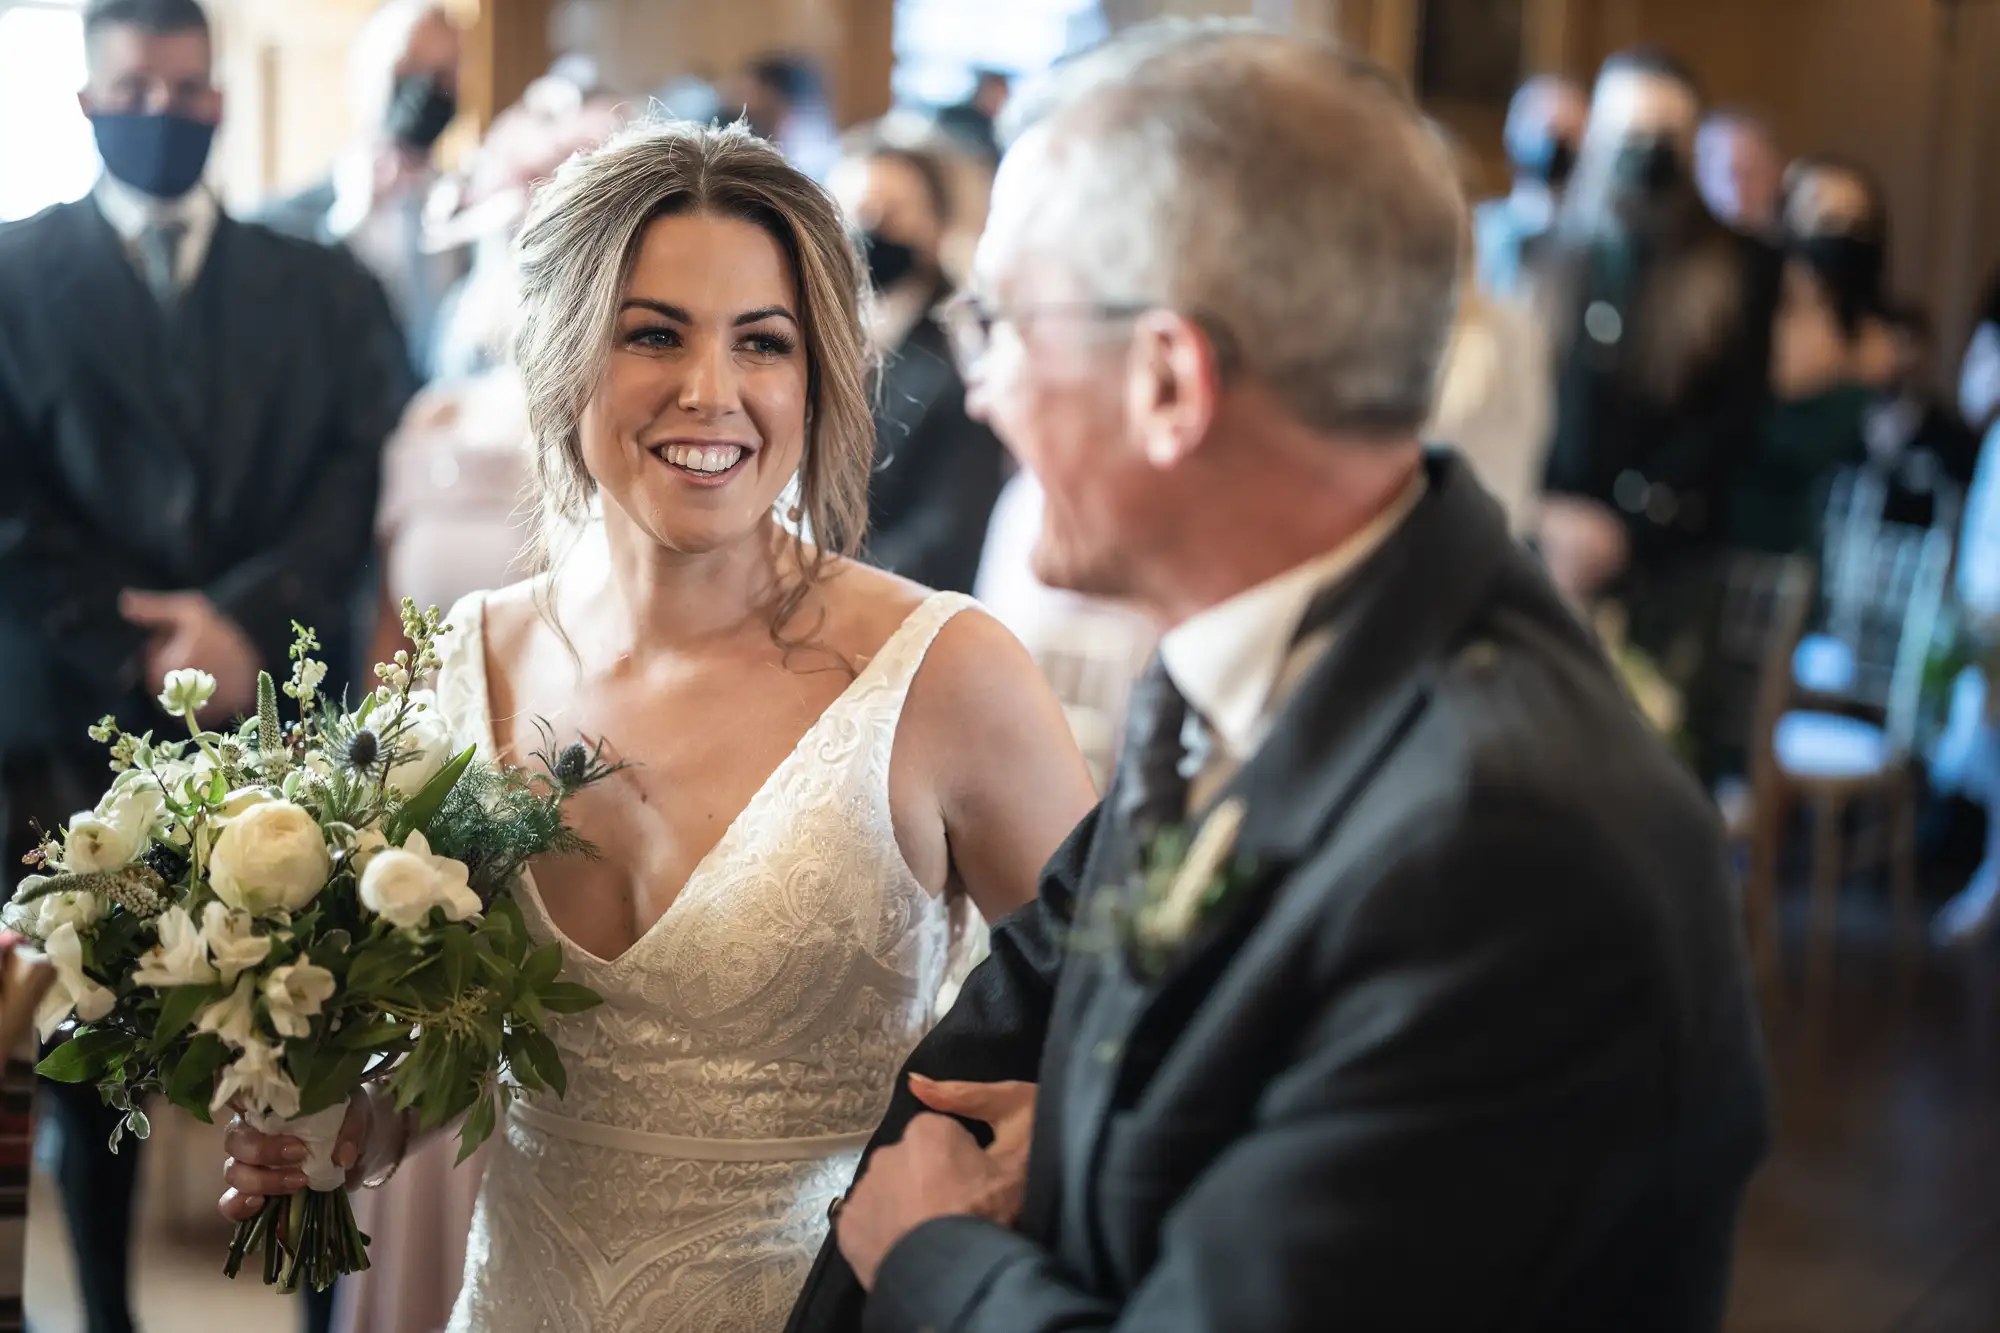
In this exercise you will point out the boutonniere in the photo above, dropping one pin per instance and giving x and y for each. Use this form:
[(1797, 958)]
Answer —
[(1184, 879)]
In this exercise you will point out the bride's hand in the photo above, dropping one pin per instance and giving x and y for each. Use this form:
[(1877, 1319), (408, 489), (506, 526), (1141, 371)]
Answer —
[(264, 1166)]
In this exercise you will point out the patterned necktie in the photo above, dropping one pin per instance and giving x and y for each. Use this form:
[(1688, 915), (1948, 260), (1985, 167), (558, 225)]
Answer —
[(1156, 771), (159, 258)]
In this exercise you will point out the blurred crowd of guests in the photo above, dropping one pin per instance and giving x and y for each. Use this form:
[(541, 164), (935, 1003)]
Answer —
[(211, 427)]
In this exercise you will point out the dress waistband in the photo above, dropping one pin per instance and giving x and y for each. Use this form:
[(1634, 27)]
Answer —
[(602, 1135)]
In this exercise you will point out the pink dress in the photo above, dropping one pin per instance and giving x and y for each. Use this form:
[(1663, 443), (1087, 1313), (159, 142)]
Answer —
[(453, 521)]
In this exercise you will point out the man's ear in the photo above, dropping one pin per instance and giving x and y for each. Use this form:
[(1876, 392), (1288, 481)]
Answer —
[(1173, 386)]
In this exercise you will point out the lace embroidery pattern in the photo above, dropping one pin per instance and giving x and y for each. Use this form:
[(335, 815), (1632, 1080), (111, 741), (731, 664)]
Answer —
[(776, 999)]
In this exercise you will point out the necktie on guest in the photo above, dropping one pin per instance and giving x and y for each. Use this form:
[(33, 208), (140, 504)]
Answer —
[(1155, 762), (159, 259)]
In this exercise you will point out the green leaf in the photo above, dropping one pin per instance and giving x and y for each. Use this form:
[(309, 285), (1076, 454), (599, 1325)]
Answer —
[(477, 1129), (371, 1034), (544, 965), (566, 997), (541, 1056), (330, 1078), (193, 1082), (455, 945), (382, 964), (529, 1006), (140, 1127), (182, 1005), (419, 810), (509, 933), (85, 1056)]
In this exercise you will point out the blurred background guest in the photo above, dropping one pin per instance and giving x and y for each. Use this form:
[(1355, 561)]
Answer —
[(1979, 373), (193, 412), (1924, 455), (784, 99), (404, 89), (971, 122), (1662, 322), (1741, 171), (1972, 913), (1544, 131), (938, 472)]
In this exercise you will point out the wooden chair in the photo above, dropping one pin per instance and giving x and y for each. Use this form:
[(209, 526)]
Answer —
[(1765, 604), (1884, 592)]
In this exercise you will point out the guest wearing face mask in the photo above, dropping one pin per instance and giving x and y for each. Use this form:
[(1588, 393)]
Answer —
[(1663, 323), (192, 411), (404, 89), (1544, 129), (939, 472), (1914, 436), (1741, 171)]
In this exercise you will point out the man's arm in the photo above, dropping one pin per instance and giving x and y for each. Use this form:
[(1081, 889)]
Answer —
[(992, 1034), (312, 574), (1487, 1056)]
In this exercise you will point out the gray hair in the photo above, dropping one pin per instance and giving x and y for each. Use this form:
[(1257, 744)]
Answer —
[(1284, 193)]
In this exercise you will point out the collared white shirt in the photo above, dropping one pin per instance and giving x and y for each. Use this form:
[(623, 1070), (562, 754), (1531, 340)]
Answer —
[(1238, 661), (132, 213)]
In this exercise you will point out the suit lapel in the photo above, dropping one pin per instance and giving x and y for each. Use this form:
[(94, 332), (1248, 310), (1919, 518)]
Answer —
[(1413, 602)]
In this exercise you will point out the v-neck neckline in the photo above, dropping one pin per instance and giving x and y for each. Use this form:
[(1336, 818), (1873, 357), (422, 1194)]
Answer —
[(488, 741)]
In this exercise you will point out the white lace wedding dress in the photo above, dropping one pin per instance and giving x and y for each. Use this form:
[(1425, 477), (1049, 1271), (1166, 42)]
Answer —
[(746, 1048)]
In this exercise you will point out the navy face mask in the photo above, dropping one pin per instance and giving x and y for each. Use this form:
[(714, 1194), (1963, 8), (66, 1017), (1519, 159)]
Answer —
[(889, 262), (1545, 160), (419, 111), (163, 156)]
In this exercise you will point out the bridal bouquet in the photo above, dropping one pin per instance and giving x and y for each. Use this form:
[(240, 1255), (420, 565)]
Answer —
[(267, 918)]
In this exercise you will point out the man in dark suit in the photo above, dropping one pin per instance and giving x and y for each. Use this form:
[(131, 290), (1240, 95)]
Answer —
[(1403, 986), (191, 416)]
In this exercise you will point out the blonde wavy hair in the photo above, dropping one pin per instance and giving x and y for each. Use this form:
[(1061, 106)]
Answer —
[(576, 253)]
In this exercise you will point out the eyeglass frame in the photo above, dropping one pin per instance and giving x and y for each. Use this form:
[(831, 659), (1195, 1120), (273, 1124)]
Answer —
[(966, 311)]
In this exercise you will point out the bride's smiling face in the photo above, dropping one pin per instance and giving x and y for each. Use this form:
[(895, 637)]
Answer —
[(699, 421)]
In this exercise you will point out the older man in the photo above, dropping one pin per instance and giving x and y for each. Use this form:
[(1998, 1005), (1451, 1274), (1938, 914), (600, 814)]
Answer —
[(1544, 130), (1403, 987)]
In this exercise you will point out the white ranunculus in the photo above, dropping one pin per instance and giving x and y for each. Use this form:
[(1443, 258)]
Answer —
[(234, 1017), (72, 991), (402, 884), (233, 941), (79, 908), (97, 843), (270, 857), (140, 808), (181, 956), (257, 1082), (294, 995), (186, 692), (426, 744)]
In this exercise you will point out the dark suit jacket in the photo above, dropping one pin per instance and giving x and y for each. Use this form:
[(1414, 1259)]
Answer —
[(1473, 1049), (938, 472), (231, 446)]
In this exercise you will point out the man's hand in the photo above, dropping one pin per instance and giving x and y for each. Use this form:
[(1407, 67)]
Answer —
[(189, 631), (1008, 1108), (1584, 546), (938, 1170)]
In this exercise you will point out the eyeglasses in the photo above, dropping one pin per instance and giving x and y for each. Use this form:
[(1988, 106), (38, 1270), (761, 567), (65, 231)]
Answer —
[(968, 321)]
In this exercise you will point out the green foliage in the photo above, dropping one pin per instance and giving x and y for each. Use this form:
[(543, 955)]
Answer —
[(416, 814), (86, 1056)]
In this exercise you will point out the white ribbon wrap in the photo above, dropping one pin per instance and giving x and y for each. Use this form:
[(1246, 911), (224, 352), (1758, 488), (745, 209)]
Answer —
[(320, 1132)]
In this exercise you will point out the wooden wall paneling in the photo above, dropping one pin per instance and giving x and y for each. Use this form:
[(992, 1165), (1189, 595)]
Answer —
[(864, 60), (506, 48)]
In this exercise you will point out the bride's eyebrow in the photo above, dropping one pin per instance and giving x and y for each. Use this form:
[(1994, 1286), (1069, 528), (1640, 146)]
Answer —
[(763, 313), (680, 316)]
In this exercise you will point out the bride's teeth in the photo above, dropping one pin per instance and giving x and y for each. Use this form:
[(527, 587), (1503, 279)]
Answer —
[(711, 459)]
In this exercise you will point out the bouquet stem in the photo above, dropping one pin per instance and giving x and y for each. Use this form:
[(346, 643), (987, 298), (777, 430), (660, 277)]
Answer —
[(309, 1238)]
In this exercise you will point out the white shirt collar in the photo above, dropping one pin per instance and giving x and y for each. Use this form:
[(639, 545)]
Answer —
[(132, 213), (1228, 660)]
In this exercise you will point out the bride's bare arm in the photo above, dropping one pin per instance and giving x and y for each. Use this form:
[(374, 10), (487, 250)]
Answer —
[(1010, 782)]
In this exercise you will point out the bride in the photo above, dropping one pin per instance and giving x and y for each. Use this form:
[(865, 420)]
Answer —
[(825, 760)]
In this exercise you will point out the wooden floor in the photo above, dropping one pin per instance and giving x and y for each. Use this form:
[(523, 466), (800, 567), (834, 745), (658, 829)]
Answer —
[(1879, 1208)]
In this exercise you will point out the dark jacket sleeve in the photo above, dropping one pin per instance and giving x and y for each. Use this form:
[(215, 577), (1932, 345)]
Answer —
[(992, 1033), (312, 574), (1478, 1066)]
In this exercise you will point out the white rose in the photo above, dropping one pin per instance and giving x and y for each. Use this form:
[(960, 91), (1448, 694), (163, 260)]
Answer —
[(237, 803), (426, 744), (234, 1017), (271, 856), (186, 692), (257, 1082), (402, 884), (233, 941), (181, 956), (81, 909), (294, 995), (97, 843), (71, 991)]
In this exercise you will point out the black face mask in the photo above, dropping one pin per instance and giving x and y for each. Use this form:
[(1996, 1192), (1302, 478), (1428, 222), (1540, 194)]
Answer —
[(419, 111), (1647, 167), (889, 262), (1545, 160)]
